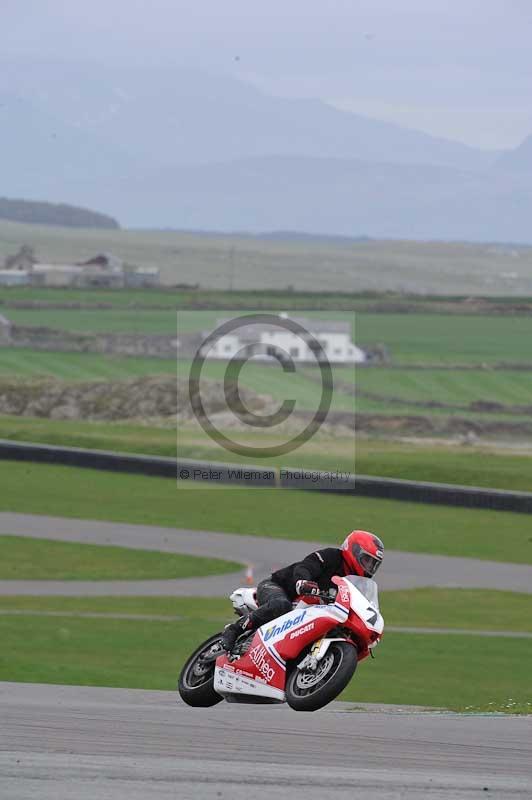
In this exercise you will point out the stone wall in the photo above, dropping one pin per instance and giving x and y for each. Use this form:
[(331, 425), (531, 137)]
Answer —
[(125, 344)]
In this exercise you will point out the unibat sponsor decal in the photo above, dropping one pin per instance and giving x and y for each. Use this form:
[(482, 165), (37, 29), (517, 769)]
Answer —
[(275, 630)]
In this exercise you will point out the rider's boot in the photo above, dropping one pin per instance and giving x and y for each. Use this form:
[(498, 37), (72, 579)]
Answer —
[(234, 630)]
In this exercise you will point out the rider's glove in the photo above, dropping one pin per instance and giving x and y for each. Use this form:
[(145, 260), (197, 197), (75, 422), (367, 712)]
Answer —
[(307, 587)]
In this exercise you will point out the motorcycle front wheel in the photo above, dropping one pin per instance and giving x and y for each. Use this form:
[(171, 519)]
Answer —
[(196, 681), (308, 690)]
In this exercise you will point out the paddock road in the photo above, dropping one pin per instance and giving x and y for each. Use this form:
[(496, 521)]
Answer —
[(399, 571), (66, 742)]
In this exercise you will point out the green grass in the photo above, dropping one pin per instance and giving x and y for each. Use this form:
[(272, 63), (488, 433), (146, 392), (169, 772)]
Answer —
[(457, 339), (446, 671), (468, 609), (410, 338), (451, 671), (399, 389), (93, 366), (402, 387), (100, 321), (455, 387), (118, 320), (28, 363), (478, 466), (92, 494), (24, 558), (303, 386), (465, 609), (165, 297)]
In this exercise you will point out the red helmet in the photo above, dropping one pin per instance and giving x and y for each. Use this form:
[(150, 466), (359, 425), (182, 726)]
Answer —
[(362, 553)]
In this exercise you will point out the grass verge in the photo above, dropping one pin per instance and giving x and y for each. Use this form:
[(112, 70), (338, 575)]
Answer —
[(474, 609), (464, 673), (469, 609), (478, 466), (92, 494), (24, 558)]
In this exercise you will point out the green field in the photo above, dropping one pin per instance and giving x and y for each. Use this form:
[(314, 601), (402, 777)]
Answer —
[(302, 301), (441, 340), (468, 609), (79, 366), (293, 514), (451, 671), (409, 338), (24, 558), (463, 609), (453, 387), (398, 390), (475, 466), (458, 671), (218, 261)]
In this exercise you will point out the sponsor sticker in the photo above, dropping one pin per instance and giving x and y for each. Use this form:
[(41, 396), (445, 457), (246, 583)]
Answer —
[(243, 672), (301, 631), (259, 657), (344, 594), (276, 630)]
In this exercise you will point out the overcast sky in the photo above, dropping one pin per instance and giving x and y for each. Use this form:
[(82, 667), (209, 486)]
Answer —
[(457, 68)]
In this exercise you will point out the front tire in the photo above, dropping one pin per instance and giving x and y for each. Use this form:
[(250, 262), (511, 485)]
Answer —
[(308, 690), (196, 681)]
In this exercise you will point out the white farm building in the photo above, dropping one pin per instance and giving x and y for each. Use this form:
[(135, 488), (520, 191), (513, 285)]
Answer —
[(267, 341)]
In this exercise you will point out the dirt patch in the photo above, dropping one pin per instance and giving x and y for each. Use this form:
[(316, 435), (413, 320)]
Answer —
[(162, 400), (146, 397)]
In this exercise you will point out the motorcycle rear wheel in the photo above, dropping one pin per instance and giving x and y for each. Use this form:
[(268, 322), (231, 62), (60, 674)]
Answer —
[(196, 680), (309, 690)]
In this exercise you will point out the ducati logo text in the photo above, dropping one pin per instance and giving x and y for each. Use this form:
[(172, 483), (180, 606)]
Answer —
[(305, 629)]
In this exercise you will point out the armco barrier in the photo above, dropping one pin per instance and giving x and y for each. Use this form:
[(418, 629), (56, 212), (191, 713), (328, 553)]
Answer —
[(190, 469), (157, 466), (446, 494)]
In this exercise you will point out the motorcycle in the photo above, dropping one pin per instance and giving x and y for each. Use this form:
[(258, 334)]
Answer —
[(305, 658)]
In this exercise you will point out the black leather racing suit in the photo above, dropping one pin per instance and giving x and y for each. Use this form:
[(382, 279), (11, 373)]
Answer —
[(275, 594)]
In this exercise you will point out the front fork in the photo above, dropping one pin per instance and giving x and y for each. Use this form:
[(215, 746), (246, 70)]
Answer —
[(318, 650)]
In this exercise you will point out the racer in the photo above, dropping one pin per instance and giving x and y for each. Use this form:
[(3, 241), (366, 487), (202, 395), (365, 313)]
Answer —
[(361, 553)]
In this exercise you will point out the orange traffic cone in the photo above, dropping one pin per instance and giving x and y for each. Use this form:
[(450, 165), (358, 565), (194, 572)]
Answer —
[(249, 575)]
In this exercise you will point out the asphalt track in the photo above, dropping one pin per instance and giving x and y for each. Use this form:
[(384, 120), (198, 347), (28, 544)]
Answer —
[(82, 743), (399, 571)]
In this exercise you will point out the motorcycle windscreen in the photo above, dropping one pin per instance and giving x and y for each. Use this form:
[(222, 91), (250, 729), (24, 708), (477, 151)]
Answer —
[(367, 587)]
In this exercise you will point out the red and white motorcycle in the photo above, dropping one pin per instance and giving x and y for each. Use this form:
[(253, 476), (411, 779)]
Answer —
[(305, 658)]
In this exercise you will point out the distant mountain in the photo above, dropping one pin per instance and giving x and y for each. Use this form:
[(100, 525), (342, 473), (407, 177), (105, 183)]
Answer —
[(45, 157), (518, 160), (339, 196), (187, 117), (182, 149), (36, 213)]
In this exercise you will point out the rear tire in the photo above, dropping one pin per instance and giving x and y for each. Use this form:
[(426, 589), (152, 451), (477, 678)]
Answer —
[(196, 681), (308, 690)]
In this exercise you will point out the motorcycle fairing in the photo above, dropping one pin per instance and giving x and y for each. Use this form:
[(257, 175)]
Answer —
[(262, 669), (229, 680), (367, 612)]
